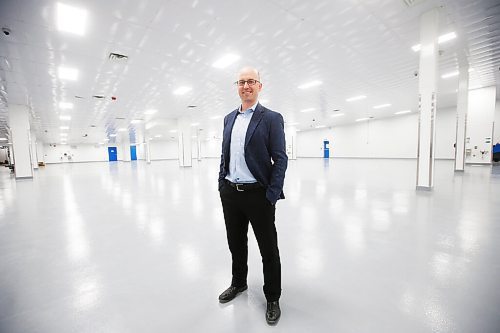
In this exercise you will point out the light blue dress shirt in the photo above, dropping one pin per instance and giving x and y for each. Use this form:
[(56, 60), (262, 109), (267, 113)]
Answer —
[(238, 169)]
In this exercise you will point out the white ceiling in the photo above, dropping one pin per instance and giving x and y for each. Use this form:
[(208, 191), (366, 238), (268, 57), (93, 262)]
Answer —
[(353, 46)]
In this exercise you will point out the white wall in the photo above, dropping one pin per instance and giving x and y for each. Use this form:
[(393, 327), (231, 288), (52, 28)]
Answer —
[(164, 150), (393, 137), (496, 136), (3, 155), (480, 118), (211, 148), (79, 153)]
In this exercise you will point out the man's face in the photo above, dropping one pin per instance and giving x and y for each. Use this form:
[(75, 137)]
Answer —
[(249, 93)]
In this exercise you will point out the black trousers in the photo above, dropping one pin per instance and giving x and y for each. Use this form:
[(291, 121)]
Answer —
[(239, 209)]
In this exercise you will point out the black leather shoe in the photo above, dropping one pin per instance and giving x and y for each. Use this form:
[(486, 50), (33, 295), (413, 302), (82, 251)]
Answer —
[(230, 293), (273, 312)]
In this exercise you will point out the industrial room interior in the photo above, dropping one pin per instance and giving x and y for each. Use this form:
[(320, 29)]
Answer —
[(111, 119)]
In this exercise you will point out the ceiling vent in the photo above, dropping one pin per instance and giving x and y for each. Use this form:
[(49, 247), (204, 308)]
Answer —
[(117, 57)]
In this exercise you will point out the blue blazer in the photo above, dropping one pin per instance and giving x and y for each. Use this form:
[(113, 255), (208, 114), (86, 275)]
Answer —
[(265, 150)]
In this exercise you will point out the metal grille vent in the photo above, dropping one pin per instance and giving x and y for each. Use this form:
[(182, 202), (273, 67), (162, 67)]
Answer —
[(117, 57)]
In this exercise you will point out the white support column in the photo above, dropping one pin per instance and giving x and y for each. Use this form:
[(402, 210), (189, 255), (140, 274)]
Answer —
[(125, 147), (20, 136), (461, 130), (148, 150), (291, 142), (34, 153), (184, 132), (40, 152), (429, 24), (198, 144)]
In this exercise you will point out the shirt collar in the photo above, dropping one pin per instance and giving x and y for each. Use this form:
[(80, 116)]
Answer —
[(252, 109)]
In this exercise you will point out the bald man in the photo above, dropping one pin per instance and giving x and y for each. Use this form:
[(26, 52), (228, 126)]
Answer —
[(251, 177)]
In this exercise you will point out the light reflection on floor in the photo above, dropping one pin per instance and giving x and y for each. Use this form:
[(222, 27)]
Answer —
[(129, 247)]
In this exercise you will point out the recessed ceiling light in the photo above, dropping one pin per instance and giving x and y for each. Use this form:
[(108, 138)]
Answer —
[(362, 119), (337, 115), (446, 37), (226, 61), (402, 112), (71, 19), (308, 110), (181, 90), (64, 127), (310, 84), (355, 98), (441, 39), (451, 74), (382, 106), (150, 111), (67, 73), (65, 105), (65, 117)]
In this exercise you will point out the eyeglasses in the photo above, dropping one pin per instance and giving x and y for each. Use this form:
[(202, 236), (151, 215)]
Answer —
[(250, 82)]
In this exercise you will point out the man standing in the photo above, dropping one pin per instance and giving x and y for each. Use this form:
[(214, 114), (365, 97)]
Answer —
[(252, 172)]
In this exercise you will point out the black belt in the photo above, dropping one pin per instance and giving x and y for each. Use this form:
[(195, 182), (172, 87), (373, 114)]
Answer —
[(241, 187)]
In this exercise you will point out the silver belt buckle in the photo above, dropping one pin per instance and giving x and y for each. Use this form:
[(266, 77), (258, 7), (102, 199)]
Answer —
[(238, 189)]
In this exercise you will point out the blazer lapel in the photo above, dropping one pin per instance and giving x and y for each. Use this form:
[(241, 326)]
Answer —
[(258, 113), (228, 129)]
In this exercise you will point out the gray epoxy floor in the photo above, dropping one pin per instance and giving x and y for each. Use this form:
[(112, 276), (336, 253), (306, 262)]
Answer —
[(132, 247)]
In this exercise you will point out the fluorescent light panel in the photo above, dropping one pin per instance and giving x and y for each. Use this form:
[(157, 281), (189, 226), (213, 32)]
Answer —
[(442, 39), (451, 74), (402, 112), (226, 61), (67, 73), (355, 98), (308, 110), (71, 19), (181, 90), (382, 106), (310, 84)]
